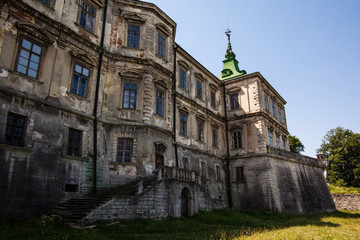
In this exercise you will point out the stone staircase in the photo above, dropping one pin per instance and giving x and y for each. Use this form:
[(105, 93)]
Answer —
[(75, 209)]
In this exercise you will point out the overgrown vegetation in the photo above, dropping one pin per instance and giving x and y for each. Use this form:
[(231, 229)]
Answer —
[(224, 224), (344, 190), (342, 150)]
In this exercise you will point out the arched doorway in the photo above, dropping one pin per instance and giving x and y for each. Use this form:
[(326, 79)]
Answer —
[(185, 202)]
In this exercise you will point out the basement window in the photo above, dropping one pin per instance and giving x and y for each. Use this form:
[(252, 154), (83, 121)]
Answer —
[(71, 187)]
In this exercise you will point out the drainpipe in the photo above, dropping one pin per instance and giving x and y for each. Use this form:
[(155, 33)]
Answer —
[(98, 78), (174, 107), (227, 159)]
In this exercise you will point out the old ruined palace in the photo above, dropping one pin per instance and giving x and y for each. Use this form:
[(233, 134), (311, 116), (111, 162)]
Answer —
[(104, 116)]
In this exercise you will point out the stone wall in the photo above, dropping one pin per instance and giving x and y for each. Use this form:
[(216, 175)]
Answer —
[(347, 201)]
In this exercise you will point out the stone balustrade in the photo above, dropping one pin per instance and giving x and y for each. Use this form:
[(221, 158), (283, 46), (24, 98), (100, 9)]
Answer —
[(180, 174), (296, 156)]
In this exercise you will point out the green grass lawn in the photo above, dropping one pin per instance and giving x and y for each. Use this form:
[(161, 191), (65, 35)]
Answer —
[(344, 190), (223, 224)]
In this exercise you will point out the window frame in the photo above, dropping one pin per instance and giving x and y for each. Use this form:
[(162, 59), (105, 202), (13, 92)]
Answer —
[(213, 98), (240, 174), (273, 105), (271, 140), (278, 141), (183, 123), (280, 114), (161, 45), (8, 138), (40, 56), (184, 81), (122, 150), (186, 163), (203, 171), (234, 101), (218, 172), (200, 130), (87, 13), (82, 66), (71, 140), (129, 95), (160, 101), (267, 107), (137, 39), (236, 137), (215, 138), (199, 91)]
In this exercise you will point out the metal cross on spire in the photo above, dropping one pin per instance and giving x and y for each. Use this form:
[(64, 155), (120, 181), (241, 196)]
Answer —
[(228, 33)]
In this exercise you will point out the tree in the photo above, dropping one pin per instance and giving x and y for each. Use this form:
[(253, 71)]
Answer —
[(342, 150), (295, 144)]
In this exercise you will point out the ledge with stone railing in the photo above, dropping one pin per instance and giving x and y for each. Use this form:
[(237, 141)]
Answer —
[(296, 156), (174, 173)]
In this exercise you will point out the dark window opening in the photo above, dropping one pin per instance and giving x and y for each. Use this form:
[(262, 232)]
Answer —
[(74, 142), (199, 89), (71, 187), (183, 123), (182, 78), (124, 150), (214, 138), (15, 130), (236, 137), (212, 99), (234, 101), (239, 174)]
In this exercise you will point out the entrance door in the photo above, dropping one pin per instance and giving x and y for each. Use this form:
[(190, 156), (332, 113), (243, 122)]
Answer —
[(185, 202), (159, 161)]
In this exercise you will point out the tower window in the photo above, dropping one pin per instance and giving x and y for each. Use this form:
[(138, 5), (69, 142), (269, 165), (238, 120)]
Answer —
[(160, 103), (129, 96), (236, 137), (87, 16), (182, 78), (74, 142), (124, 150), (183, 123), (80, 80), (199, 89), (161, 46)]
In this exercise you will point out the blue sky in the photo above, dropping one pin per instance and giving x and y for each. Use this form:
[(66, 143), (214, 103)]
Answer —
[(309, 51)]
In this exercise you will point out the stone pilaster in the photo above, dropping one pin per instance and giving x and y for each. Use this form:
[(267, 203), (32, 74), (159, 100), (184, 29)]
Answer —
[(148, 96)]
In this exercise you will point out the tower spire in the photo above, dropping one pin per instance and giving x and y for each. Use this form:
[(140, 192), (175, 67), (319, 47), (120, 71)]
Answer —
[(230, 68)]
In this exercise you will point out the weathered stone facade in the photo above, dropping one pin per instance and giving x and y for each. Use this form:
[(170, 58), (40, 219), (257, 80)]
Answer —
[(94, 94)]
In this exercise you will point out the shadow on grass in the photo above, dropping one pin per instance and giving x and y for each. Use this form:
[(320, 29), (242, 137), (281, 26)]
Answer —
[(221, 224)]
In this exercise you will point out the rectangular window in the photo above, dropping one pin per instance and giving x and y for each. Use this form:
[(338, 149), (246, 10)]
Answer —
[(129, 101), (271, 139), (280, 117), (201, 131), (266, 103), (284, 143), (160, 103), (182, 79), (161, 46), (218, 172), (239, 174), (234, 101), (214, 138), (278, 142), (47, 2), (183, 123), (74, 142), (186, 163), (212, 99), (236, 137), (203, 169), (80, 80), (15, 130), (274, 109), (87, 16), (199, 89), (133, 37), (124, 150), (28, 62)]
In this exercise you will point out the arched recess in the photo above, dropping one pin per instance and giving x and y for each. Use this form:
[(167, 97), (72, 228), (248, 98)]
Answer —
[(185, 202)]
